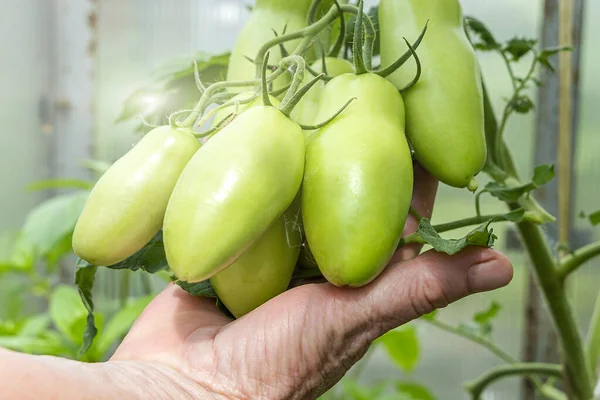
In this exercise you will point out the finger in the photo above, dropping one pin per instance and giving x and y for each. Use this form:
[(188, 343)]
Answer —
[(410, 289), (424, 193)]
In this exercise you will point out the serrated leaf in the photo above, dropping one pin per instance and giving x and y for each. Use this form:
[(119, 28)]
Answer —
[(480, 236), (84, 280), (402, 346), (519, 47), (120, 323), (484, 317), (151, 258), (485, 39), (414, 391), (53, 220), (543, 174), (522, 104)]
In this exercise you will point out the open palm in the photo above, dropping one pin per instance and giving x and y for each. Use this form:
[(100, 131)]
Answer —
[(301, 343)]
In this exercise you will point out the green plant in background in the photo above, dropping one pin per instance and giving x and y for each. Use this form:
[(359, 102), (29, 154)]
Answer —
[(177, 88)]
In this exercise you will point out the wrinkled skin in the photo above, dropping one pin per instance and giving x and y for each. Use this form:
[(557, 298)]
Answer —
[(301, 343), (444, 110)]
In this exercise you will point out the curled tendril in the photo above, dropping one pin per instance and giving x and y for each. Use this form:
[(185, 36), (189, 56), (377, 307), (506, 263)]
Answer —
[(341, 39), (322, 124), (404, 57), (418, 74)]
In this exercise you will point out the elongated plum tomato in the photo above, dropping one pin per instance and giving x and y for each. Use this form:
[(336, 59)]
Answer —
[(308, 106), (358, 180), (126, 206), (444, 110), (265, 269), (231, 191)]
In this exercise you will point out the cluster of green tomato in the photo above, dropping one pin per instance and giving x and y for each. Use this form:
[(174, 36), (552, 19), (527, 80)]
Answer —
[(270, 191)]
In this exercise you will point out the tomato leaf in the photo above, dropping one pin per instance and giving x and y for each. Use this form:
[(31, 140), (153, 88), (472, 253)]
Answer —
[(480, 236), (517, 47), (431, 316), (522, 104), (50, 222), (402, 346), (414, 391), (84, 280), (485, 38), (542, 174), (484, 317), (594, 218), (151, 258), (546, 54), (200, 289), (65, 309)]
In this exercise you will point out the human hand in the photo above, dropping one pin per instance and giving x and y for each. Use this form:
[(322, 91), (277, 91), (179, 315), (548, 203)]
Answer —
[(301, 343)]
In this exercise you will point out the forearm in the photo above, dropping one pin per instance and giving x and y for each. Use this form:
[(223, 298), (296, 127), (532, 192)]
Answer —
[(34, 377)]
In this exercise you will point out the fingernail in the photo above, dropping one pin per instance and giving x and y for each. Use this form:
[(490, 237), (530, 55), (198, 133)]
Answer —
[(489, 275)]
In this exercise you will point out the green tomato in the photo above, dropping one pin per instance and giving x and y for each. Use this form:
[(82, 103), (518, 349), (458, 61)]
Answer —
[(358, 180), (233, 189), (444, 110), (126, 206), (265, 270), (266, 16), (307, 108)]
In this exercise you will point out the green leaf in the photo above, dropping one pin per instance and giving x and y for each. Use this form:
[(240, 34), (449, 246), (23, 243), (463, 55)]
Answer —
[(402, 346), (151, 258), (17, 253), (50, 222), (355, 391), (84, 279), (414, 391), (35, 325), (56, 253), (545, 55), (484, 317), (200, 289), (594, 218), (47, 345), (543, 174), (60, 184), (65, 310), (485, 40), (519, 47), (522, 104), (120, 324), (480, 236)]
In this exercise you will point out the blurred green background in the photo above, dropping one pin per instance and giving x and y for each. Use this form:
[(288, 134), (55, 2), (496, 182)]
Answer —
[(59, 101)]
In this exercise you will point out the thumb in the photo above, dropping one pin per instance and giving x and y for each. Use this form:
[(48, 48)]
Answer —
[(412, 288)]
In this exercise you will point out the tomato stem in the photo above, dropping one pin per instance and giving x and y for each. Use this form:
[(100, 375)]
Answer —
[(298, 77), (357, 42), (287, 107), (264, 83), (337, 47)]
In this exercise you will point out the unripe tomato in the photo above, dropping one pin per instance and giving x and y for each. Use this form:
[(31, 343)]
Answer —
[(126, 206), (358, 180), (444, 110), (265, 270), (232, 191)]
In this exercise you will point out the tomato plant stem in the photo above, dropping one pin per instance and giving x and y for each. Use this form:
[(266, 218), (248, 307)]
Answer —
[(477, 386), (554, 292), (593, 339), (572, 261)]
